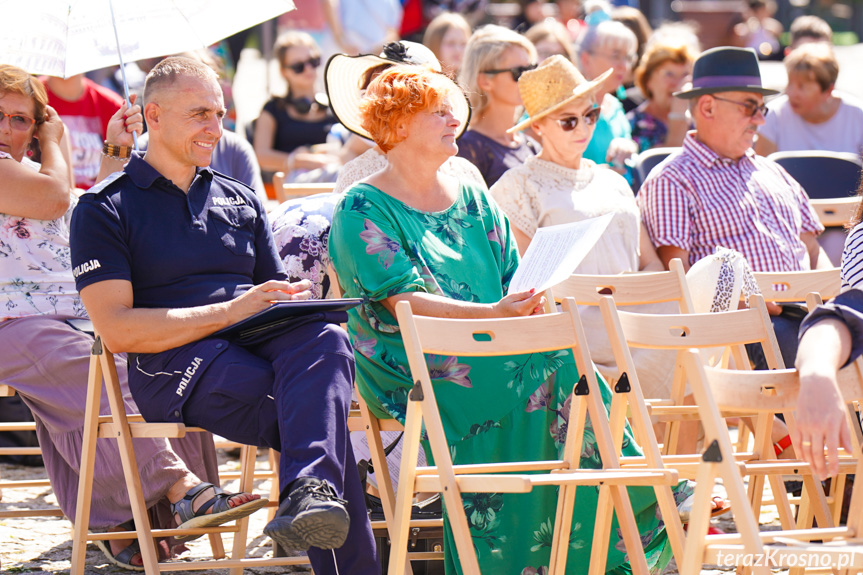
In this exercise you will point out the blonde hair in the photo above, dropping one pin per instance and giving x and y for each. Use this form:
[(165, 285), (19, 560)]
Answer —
[(554, 31), (657, 55), (816, 61), (17, 81), (398, 94), (438, 28), (484, 50)]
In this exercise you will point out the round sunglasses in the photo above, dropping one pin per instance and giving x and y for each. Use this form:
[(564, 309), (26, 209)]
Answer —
[(298, 67), (516, 71), (569, 123)]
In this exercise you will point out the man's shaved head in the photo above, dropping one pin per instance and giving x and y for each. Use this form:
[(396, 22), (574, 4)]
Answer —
[(170, 70)]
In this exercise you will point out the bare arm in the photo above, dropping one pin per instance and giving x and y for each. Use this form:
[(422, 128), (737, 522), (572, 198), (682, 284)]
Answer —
[(122, 124), (821, 415), (273, 160), (42, 195), (331, 14), (818, 260), (125, 328), (512, 305), (648, 259), (764, 147), (522, 239), (668, 253)]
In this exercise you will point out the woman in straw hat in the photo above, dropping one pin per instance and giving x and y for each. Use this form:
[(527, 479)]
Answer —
[(560, 186), (494, 59), (412, 233)]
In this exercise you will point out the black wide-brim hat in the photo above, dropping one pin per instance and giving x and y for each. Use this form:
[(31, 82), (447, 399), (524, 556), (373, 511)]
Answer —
[(726, 69)]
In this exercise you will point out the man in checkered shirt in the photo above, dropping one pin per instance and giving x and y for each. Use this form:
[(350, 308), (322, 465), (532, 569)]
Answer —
[(717, 192)]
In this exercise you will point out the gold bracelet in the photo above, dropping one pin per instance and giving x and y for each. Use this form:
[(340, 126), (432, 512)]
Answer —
[(116, 152)]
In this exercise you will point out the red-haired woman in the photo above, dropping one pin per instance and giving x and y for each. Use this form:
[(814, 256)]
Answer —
[(411, 233)]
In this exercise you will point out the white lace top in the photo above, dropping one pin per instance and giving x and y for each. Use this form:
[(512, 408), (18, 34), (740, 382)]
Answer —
[(540, 193), (36, 276), (372, 161)]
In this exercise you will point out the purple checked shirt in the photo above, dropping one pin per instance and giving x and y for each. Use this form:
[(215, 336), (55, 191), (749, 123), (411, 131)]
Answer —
[(697, 200)]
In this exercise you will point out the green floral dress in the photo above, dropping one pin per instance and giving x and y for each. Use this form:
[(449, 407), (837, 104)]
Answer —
[(493, 409)]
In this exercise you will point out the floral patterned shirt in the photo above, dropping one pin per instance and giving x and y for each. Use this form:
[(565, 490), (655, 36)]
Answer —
[(37, 270)]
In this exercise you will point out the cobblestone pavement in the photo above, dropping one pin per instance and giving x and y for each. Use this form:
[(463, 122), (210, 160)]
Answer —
[(43, 545)]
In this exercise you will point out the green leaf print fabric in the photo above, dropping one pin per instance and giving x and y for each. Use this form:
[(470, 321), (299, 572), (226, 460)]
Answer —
[(510, 408)]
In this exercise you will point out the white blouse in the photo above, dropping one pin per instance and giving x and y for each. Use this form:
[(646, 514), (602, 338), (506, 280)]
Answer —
[(541, 193)]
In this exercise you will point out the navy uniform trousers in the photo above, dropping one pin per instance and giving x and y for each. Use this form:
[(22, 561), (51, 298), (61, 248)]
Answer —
[(288, 389)]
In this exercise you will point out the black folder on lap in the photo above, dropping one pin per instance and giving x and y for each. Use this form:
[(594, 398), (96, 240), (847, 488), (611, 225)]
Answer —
[(281, 313)]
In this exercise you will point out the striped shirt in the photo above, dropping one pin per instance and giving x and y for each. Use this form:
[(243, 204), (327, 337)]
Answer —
[(852, 259), (697, 201)]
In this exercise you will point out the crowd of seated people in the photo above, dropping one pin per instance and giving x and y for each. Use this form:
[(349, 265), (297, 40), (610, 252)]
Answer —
[(483, 135)]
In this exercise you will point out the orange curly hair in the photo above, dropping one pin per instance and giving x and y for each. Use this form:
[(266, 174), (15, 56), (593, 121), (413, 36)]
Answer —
[(398, 94)]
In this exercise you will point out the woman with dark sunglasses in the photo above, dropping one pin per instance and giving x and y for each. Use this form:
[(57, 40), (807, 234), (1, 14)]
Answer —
[(559, 186), (289, 126), (494, 60)]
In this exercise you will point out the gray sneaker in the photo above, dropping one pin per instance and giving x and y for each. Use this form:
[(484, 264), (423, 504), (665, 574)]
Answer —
[(311, 516)]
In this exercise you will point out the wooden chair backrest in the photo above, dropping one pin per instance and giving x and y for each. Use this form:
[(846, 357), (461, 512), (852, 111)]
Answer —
[(700, 330), (286, 191), (629, 289), (796, 286)]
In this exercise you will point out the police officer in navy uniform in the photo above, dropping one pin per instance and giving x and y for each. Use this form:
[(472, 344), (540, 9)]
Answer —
[(168, 252)]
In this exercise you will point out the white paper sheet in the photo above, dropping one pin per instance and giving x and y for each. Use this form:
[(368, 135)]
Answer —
[(555, 252)]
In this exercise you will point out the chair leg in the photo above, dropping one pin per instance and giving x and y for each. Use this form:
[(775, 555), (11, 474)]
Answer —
[(88, 464), (248, 455), (274, 458), (130, 465)]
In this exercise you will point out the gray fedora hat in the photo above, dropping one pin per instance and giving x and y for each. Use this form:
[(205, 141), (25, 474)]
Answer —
[(726, 69)]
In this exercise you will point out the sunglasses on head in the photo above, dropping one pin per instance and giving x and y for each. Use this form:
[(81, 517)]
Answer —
[(569, 123), (298, 67), (516, 72)]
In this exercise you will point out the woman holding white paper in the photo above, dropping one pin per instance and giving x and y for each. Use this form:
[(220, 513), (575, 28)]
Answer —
[(411, 233), (560, 186)]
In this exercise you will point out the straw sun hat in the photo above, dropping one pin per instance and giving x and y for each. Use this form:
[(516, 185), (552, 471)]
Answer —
[(553, 84), (344, 74)]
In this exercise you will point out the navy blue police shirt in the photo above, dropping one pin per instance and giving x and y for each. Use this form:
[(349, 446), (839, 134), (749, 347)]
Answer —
[(177, 249)]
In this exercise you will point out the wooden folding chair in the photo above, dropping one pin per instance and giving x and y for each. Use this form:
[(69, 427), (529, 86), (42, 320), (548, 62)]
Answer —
[(764, 393), (725, 334), (285, 191), (536, 334), (54, 511), (631, 290), (123, 427)]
